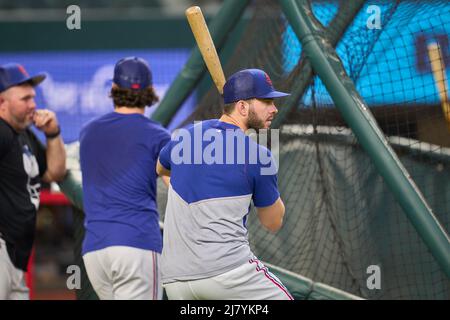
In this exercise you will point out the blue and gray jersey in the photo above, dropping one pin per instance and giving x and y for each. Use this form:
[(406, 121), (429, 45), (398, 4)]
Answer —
[(213, 182)]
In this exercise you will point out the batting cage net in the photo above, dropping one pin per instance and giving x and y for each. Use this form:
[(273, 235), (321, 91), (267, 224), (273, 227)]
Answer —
[(342, 222)]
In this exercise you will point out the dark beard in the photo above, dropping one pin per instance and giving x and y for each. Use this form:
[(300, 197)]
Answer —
[(253, 121)]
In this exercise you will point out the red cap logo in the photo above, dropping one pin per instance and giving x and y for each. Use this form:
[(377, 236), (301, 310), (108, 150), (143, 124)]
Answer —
[(268, 79), (135, 86), (22, 70)]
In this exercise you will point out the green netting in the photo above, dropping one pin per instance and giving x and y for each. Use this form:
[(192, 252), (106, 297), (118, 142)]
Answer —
[(341, 218)]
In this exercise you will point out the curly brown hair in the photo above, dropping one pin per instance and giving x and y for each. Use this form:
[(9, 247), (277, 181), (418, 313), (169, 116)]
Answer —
[(133, 98)]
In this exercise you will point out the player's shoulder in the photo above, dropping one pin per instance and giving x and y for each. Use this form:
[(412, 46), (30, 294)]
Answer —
[(4, 126), (262, 148), (151, 123), (6, 131), (260, 156), (254, 145), (94, 121), (188, 129), (97, 122), (201, 125), (87, 127), (155, 127)]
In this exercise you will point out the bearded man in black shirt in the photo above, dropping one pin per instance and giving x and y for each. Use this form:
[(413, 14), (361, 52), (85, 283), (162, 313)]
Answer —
[(24, 163)]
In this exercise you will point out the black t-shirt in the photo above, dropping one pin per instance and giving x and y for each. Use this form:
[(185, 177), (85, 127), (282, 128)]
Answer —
[(22, 164)]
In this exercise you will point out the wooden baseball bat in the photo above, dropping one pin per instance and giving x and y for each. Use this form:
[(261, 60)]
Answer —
[(438, 67), (206, 45)]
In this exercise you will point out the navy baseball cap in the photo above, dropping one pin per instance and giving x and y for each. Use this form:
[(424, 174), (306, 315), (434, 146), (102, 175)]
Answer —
[(132, 73), (13, 74), (249, 84)]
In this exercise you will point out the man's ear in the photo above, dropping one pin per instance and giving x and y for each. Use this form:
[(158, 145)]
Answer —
[(242, 107)]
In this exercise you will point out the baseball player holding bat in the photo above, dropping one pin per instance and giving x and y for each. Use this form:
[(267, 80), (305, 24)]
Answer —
[(206, 254), (118, 154)]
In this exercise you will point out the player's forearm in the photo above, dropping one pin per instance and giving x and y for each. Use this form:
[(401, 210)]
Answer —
[(278, 215), (271, 217), (56, 160)]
